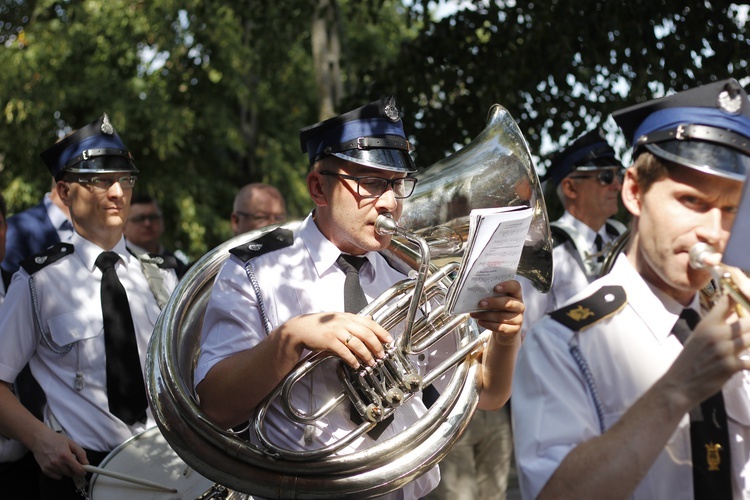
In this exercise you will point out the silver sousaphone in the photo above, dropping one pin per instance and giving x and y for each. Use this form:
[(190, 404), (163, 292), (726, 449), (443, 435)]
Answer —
[(496, 169)]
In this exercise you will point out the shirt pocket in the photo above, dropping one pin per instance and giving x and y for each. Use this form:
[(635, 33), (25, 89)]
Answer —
[(79, 332)]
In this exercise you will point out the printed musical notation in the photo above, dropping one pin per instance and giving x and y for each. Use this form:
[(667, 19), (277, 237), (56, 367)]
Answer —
[(493, 251)]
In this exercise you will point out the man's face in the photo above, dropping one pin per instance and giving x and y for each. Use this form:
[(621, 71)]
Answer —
[(678, 211), (262, 209), (347, 218), (98, 213), (145, 225), (598, 196)]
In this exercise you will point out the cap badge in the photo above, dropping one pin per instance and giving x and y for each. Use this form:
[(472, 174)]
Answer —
[(730, 100), (107, 127), (390, 110)]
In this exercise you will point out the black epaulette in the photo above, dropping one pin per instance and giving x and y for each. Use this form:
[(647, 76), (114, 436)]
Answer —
[(558, 236), (268, 242), (587, 312), (46, 257)]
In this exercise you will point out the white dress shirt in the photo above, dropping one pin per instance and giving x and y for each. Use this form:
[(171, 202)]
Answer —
[(569, 277), (72, 372), (553, 409), (301, 279)]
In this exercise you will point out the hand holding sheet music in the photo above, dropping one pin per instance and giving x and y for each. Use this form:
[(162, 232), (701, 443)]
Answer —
[(493, 251)]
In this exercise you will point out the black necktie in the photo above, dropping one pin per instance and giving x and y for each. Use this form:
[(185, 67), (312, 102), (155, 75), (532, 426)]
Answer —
[(355, 301), (709, 435), (126, 391), (599, 244), (354, 296)]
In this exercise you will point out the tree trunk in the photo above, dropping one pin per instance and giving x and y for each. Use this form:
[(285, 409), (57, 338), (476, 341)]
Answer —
[(326, 51)]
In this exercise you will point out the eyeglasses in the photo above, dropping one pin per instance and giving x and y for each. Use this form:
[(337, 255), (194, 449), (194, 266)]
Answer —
[(139, 219), (604, 177), (104, 183), (260, 216), (373, 187)]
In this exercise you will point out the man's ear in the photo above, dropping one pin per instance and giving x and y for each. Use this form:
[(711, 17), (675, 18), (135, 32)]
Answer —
[(569, 188), (631, 192), (316, 188), (63, 191)]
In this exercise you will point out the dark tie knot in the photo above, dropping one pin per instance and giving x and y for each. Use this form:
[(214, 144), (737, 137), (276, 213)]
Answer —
[(685, 324), (350, 263), (691, 317), (106, 260)]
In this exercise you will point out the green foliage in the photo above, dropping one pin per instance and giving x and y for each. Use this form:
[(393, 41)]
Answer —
[(559, 67), (210, 95)]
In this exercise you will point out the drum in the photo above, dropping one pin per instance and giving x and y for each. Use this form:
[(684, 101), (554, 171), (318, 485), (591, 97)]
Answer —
[(148, 457)]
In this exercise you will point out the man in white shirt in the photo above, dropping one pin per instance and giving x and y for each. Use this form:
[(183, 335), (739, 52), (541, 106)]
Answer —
[(613, 396), (74, 336), (587, 178), (360, 168)]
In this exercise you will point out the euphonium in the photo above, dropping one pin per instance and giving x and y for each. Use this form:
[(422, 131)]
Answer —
[(494, 170)]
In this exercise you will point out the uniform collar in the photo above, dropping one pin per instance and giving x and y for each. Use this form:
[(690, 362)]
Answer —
[(322, 251), (88, 251), (584, 230), (657, 310)]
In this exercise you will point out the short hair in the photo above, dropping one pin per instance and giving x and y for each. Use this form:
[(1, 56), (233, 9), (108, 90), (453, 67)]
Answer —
[(3, 207), (649, 169), (248, 190), (143, 199)]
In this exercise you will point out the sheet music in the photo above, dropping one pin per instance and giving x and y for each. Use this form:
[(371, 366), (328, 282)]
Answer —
[(493, 251)]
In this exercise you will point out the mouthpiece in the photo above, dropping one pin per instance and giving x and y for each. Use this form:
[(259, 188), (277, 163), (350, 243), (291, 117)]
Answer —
[(385, 224), (698, 254)]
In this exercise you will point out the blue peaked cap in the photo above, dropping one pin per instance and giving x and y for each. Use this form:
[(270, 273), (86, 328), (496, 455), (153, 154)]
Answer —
[(589, 150), (706, 128), (94, 148), (372, 135)]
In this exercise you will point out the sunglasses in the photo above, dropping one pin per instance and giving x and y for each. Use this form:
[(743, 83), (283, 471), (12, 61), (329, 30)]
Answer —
[(603, 177)]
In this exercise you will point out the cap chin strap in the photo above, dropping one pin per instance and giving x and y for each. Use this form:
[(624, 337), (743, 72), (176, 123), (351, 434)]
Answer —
[(93, 153), (388, 142), (691, 132)]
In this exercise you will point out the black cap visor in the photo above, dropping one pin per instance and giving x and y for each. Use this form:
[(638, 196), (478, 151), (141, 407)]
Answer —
[(710, 158), (394, 160), (101, 165)]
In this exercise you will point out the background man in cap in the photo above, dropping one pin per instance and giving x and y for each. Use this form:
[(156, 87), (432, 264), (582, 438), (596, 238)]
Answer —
[(87, 359), (257, 205), (607, 402), (360, 168), (587, 178)]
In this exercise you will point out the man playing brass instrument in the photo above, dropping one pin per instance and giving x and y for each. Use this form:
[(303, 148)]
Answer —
[(626, 391), (587, 177), (360, 168)]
